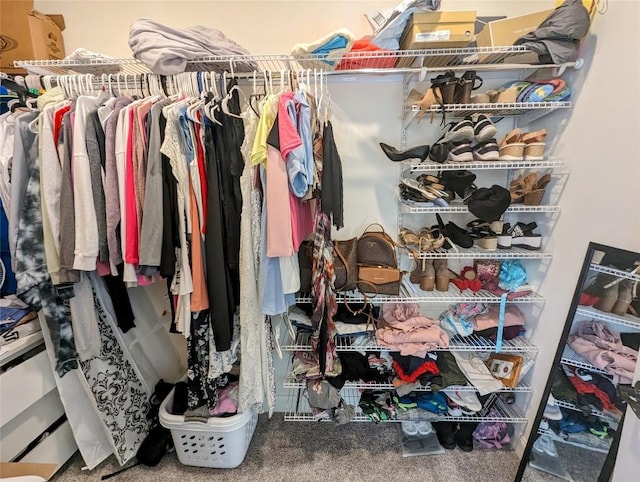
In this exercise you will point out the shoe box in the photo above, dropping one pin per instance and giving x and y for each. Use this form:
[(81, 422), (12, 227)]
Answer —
[(440, 29)]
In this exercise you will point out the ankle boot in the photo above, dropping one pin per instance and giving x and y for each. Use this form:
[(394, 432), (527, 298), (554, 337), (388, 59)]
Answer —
[(625, 296), (442, 276), (607, 297), (464, 436), (428, 274)]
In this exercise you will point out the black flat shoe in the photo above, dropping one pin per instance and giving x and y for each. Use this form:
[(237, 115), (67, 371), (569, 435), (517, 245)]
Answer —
[(417, 152), (455, 233)]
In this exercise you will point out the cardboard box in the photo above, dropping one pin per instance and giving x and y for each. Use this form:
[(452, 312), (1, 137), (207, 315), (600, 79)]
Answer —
[(26, 34), (500, 33), (441, 29), (26, 469)]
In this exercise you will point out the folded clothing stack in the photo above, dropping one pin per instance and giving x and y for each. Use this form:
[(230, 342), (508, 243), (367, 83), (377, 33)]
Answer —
[(410, 332), (16, 323), (166, 50)]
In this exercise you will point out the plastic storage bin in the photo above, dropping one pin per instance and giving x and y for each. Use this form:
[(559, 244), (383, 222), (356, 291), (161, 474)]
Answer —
[(220, 443)]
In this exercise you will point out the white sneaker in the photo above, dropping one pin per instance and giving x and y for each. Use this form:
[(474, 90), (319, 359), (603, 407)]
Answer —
[(545, 445), (424, 427), (464, 398), (462, 131), (461, 153), (551, 410), (409, 428)]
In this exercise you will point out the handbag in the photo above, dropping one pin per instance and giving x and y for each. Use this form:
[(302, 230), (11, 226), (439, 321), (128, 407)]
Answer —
[(378, 271), (345, 264)]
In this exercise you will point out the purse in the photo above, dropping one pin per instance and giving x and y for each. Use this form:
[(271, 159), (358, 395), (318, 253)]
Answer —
[(345, 264), (378, 271)]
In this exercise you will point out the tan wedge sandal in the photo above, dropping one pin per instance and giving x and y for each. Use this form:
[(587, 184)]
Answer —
[(534, 145), (512, 147)]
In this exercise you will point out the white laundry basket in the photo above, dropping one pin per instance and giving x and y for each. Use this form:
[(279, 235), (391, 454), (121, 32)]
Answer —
[(220, 443)]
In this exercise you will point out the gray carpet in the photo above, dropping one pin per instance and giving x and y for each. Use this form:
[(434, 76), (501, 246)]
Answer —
[(290, 451)]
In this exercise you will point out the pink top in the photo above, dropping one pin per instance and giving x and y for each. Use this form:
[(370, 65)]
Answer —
[(301, 219), (289, 137), (279, 235), (131, 217)]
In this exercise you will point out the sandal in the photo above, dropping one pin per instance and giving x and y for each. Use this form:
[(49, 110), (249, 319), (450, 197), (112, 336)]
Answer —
[(512, 147), (534, 145), (408, 237)]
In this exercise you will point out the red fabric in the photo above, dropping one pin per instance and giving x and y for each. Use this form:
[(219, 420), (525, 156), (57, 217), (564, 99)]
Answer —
[(583, 388), (203, 175), (57, 121), (289, 137), (427, 367), (353, 60)]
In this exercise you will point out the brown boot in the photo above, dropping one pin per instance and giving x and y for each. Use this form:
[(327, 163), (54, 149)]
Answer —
[(428, 275), (625, 296)]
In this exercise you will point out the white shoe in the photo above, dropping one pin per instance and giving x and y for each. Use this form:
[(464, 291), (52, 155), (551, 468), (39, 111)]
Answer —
[(551, 410), (424, 427), (409, 428), (464, 398), (545, 445)]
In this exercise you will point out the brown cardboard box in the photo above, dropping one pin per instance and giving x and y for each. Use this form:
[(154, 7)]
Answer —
[(20, 469), (26, 34), (441, 29), (504, 32)]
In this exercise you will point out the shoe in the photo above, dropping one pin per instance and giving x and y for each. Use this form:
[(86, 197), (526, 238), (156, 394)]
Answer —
[(445, 434), (455, 233), (464, 398), (461, 182), (424, 427), (545, 445), (427, 275), (409, 428), (607, 297), (511, 146), (625, 297), (551, 410), (442, 275), (583, 374), (486, 151), (505, 241), (461, 131), (484, 129), (529, 189), (534, 145), (461, 152), (522, 236), (464, 436), (408, 237), (417, 152), (453, 409), (465, 85)]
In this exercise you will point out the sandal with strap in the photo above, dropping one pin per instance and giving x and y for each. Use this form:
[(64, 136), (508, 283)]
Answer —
[(466, 84)]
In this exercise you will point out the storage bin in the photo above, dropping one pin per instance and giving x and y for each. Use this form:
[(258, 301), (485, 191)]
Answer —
[(220, 443)]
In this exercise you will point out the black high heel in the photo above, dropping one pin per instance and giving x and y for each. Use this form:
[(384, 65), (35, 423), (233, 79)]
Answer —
[(455, 233), (416, 152)]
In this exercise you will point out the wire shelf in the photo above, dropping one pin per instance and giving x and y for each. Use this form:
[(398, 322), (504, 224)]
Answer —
[(477, 253), (610, 418), (291, 382), (615, 272), (410, 293), (300, 411), (427, 165), (555, 438), (460, 209), (480, 58), (472, 343), (626, 320), (570, 357), (493, 109)]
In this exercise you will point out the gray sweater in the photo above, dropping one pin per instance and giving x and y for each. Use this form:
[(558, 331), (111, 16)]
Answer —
[(94, 139)]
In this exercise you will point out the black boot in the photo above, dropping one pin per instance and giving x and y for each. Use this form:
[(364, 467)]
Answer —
[(464, 436), (444, 431)]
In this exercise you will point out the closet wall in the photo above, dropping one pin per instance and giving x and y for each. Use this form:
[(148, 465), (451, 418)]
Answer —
[(598, 138)]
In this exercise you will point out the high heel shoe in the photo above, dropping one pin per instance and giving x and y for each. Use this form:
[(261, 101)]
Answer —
[(442, 275), (441, 92), (512, 147), (607, 297), (428, 277), (465, 85), (416, 152), (534, 145), (625, 296)]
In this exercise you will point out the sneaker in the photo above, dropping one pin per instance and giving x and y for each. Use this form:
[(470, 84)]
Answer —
[(551, 410), (453, 408), (484, 129), (462, 131), (461, 153), (409, 428), (486, 151), (545, 445), (424, 427), (466, 399), (522, 236), (583, 374)]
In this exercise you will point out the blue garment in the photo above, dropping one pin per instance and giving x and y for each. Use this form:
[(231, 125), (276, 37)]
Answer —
[(9, 286), (337, 42), (183, 122), (304, 131), (296, 168)]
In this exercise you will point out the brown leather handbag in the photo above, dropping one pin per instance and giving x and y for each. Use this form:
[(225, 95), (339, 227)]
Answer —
[(345, 264), (378, 271)]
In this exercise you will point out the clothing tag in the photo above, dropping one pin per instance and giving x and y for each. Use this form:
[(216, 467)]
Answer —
[(65, 291), (437, 36), (432, 355)]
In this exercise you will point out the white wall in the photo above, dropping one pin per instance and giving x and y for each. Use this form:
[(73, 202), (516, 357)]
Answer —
[(600, 201)]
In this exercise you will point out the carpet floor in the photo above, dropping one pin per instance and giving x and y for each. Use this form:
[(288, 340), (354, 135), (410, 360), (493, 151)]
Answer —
[(289, 451)]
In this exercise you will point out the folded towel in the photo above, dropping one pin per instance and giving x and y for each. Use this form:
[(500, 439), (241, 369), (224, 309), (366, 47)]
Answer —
[(165, 50)]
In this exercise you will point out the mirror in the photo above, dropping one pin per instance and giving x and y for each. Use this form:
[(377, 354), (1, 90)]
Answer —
[(576, 431)]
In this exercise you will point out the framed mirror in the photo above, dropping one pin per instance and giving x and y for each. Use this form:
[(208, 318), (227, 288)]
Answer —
[(577, 427)]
